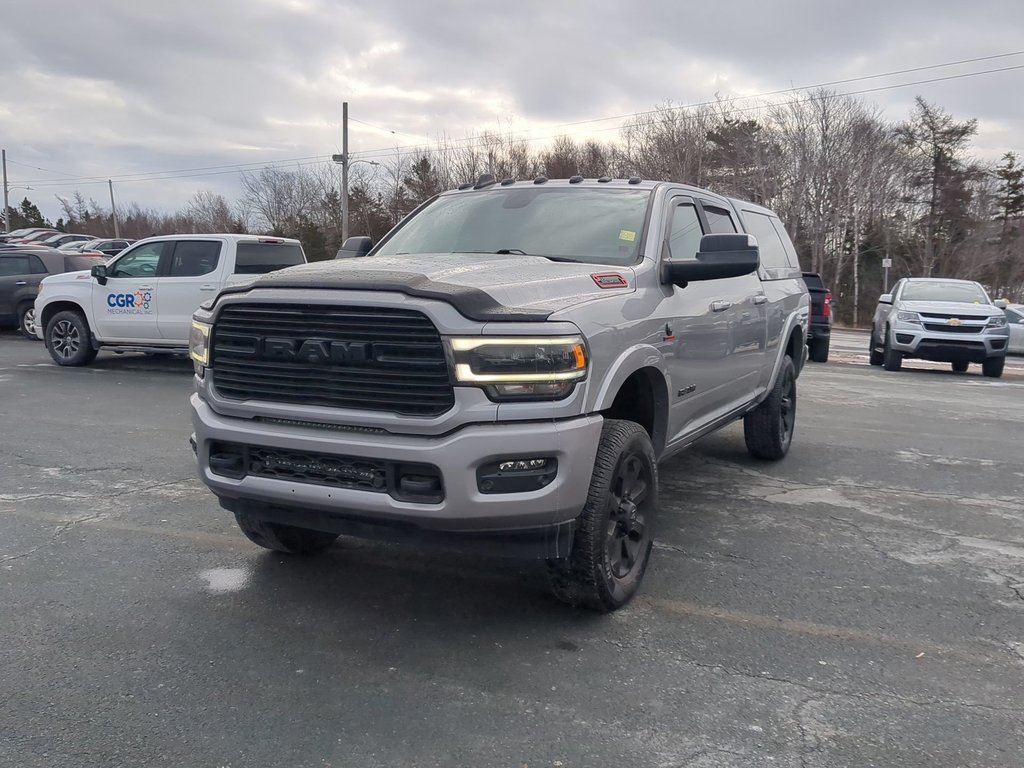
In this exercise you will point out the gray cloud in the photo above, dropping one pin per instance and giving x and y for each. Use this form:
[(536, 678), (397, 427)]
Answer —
[(117, 87)]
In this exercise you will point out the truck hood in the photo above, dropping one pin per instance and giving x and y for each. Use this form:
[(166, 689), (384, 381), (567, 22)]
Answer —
[(952, 308), (67, 277), (481, 287)]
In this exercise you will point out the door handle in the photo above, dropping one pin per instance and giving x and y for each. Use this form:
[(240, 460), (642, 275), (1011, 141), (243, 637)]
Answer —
[(760, 299), (145, 287), (207, 287), (720, 306), (22, 282)]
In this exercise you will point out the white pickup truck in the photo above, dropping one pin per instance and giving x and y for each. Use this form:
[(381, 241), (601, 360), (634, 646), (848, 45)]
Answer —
[(143, 299)]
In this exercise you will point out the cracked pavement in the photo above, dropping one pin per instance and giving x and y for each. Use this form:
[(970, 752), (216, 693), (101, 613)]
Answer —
[(859, 604)]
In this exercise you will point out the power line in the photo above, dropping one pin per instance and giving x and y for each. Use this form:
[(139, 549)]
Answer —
[(482, 139)]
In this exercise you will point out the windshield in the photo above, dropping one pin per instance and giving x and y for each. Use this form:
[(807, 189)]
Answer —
[(601, 226), (968, 293)]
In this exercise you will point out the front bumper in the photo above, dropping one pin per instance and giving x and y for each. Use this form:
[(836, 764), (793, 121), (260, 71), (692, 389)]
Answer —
[(458, 455), (915, 341)]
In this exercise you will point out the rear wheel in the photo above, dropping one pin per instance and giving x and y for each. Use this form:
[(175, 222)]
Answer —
[(283, 538), (891, 359), (768, 429), (960, 367), (27, 320), (612, 545), (817, 350), (993, 367), (68, 339)]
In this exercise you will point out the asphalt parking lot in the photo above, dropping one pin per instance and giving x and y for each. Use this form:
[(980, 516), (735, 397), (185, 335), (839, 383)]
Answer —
[(859, 604)]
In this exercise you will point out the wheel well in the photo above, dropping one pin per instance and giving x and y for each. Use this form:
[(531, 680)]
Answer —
[(58, 306), (643, 398), (795, 348)]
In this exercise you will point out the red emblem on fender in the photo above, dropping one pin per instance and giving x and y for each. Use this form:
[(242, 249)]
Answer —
[(610, 280)]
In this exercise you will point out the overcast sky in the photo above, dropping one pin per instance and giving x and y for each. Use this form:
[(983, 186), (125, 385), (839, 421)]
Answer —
[(110, 88)]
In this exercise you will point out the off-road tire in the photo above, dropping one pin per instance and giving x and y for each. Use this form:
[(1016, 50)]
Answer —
[(27, 320), (960, 367), (817, 350), (612, 544), (768, 429), (284, 538), (993, 367), (891, 359), (874, 356), (68, 339)]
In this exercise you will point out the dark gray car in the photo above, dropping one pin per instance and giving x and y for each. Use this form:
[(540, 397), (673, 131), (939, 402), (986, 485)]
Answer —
[(21, 271)]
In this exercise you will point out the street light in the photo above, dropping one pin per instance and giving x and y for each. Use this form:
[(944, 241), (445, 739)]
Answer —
[(345, 162)]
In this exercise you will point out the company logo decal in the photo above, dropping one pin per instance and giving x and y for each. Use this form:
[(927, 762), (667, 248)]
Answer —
[(136, 303)]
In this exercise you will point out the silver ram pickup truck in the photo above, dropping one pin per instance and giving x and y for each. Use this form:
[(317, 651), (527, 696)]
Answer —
[(942, 320), (503, 372)]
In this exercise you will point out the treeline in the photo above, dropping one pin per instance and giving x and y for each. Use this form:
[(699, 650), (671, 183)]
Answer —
[(852, 187)]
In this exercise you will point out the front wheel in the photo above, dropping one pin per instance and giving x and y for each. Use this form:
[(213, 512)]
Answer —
[(892, 360), (768, 429), (283, 538), (874, 356), (817, 350), (612, 544), (68, 339), (993, 367), (960, 366)]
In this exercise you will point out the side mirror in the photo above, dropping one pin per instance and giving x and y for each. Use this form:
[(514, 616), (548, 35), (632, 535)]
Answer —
[(99, 271), (354, 248), (719, 257), (885, 298), (1001, 303)]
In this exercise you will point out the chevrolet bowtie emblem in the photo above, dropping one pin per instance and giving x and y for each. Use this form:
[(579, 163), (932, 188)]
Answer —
[(954, 321)]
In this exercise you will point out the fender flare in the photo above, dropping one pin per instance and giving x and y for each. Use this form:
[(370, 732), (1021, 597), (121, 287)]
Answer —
[(629, 362), (793, 322)]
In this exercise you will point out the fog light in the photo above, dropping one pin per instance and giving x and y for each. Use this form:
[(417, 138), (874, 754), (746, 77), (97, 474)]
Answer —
[(522, 465), (516, 475)]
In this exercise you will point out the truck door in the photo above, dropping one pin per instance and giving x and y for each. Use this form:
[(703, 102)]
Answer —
[(126, 308), (194, 274)]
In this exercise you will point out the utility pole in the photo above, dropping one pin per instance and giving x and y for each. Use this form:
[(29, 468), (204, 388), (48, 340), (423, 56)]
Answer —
[(113, 210), (7, 212), (344, 172)]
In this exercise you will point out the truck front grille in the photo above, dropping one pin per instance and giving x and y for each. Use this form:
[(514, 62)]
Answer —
[(362, 358), (944, 328)]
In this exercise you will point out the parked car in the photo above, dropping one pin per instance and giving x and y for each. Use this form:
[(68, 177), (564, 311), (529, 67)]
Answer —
[(1015, 325), (503, 372), (21, 271), (18, 234), (819, 331), (75, 246), (143, 299), (938, 319), (36, 237), (109, 247), (56, 241)]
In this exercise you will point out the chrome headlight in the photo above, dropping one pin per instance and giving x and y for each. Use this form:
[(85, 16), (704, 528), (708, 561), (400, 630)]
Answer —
[(908, 317), (997, 321), (521, 368), (199, 345)]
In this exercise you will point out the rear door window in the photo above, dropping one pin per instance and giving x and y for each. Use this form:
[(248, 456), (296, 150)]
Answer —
[(194, 258), (773, 251), (260, 258), (11, 266)]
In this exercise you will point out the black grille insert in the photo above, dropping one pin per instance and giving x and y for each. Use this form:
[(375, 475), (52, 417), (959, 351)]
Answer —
[(403, 481), (364, 358), (942, 328)]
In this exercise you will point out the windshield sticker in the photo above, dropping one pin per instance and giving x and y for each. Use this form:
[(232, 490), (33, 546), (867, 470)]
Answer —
[(627, 234), (136, 303)]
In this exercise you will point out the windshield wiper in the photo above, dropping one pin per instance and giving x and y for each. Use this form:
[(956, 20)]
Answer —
[(520, 252)]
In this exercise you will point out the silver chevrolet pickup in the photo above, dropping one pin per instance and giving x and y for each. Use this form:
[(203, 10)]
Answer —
[(942, 320), (503, 371)]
